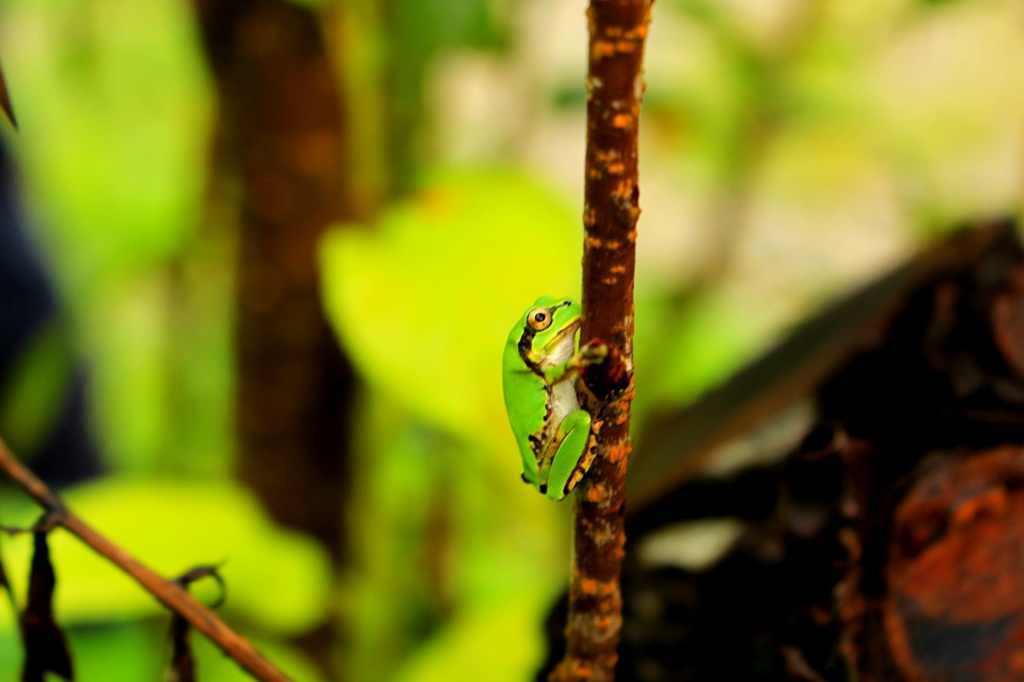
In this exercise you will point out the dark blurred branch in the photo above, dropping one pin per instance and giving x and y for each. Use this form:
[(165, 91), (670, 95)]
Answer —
[(618, 29), (5, 100), (282, 139), (167, 592), (677, 445)]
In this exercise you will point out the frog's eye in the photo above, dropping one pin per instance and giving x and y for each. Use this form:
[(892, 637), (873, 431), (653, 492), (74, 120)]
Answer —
[(539, 319)]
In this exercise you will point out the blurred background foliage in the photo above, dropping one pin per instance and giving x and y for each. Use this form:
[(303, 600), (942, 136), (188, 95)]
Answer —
[(789, 150)]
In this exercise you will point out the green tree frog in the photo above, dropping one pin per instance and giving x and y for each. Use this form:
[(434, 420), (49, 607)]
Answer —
[(539, 366)]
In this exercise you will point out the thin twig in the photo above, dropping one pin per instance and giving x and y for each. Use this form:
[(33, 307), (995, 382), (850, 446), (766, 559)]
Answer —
[(169, 593), (618, 30)]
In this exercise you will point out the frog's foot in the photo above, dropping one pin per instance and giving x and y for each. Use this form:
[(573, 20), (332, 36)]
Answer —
[(591, 353)]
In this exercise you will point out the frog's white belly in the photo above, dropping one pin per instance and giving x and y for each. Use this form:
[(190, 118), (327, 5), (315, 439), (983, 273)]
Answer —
[(563, 401), (562, 398)]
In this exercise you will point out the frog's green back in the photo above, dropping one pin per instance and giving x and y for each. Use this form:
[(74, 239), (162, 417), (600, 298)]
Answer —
[(525, 398)]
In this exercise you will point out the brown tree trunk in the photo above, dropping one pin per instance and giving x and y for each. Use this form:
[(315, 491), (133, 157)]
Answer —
[(281, 134), (618, 31)]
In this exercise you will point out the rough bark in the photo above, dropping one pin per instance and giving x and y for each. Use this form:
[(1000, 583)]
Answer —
[(618, 29)]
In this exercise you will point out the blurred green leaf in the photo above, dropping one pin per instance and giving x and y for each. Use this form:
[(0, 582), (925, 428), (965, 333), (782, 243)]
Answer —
[(686, 345), (500, 644), (424, 302), (133, 650), (111, 122), (113, 103), (139, 649), (277, 579), (469, 23)]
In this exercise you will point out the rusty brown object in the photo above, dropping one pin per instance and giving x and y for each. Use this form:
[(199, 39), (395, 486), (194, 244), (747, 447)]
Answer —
[(954, 607), (167, 592), (618, 30), (281, 139), (934, 494)]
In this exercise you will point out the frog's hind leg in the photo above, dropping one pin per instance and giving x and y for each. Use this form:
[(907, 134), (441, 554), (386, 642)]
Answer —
[(573, 447), (583, 466)]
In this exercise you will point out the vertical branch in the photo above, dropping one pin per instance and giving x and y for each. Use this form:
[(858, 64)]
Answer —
[(618, 29), (282, 135)]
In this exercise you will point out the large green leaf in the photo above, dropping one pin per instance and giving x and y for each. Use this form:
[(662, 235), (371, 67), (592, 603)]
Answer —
[(499, 644), (424, 303), (275, 578), (138, 650)]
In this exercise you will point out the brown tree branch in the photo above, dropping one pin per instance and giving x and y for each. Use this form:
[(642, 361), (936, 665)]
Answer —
[(170, 594), (618, 29)]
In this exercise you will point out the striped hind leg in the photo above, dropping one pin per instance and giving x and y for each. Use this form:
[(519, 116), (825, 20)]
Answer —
[(583, 466)]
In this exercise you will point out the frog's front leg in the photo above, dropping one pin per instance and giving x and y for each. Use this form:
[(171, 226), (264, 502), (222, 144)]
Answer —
[(568, 456), (589, 354)]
